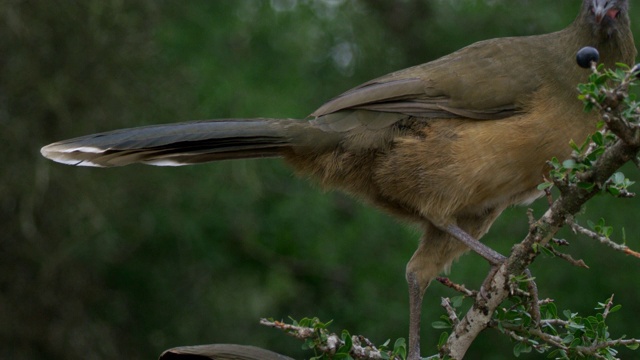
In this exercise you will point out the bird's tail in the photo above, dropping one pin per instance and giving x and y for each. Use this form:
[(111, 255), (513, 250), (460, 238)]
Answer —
[(177, 144)]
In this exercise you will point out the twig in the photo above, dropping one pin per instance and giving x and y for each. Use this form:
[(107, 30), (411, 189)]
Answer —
[(607, 307), (566, 257), (298, 332), (330, 343), (603, 239), (591, 350), (552, 340), (560, 242), (457, 287), (524, 339), (522, 334), (530, 216), (451, 312)]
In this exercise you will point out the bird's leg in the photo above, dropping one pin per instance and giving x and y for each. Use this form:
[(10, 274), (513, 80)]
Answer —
[(416, 294), (492, 256), (434, 254)]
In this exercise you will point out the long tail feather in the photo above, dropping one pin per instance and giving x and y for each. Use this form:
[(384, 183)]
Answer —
[(175, 144)]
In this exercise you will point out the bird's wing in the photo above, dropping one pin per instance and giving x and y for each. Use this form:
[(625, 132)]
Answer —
[(483, 81)]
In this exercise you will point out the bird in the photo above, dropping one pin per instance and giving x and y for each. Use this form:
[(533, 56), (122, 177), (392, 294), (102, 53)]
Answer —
[(447, 145)]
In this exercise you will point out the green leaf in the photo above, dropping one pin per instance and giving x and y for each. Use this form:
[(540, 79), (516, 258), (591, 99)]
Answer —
[(456, 301), (400, 348), (568, 314), (618, 178), (568, 339), (546, 252), (623, 66), (521, 348), (575, 326), (545, 185), (443, 339), (308, 344), (569, 164), (440, 325), (633, 346), (597, 138), (348, 343), (552, 309), (586, 186)]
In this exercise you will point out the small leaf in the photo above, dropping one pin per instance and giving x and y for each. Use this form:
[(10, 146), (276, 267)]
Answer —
[(613, 191), (618, 178), (597, 138), (586, 186), (575, 326), (574, 146), (608, 231), (546, 252), (569, 164), (400, 348), (545, 185), (568, 339), (633, 346), (443, 339), (440, 325), (552, 309), (521, 348)]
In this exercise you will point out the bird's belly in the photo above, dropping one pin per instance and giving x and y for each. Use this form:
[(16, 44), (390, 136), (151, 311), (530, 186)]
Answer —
[(463, 166)]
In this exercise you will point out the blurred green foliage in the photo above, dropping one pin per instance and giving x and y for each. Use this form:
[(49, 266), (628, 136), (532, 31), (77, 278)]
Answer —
[(126, 262)]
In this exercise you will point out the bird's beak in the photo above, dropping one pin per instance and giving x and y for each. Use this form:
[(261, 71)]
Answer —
[(602, 9)]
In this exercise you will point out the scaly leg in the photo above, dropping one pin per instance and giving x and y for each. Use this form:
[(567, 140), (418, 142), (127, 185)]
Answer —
[(416, 294), (435, 253)]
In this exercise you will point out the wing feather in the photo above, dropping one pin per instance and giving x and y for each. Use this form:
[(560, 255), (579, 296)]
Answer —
[(484, 81)]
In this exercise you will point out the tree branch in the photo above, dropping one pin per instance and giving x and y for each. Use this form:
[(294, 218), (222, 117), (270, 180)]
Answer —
[(319, 338), (602, 239)]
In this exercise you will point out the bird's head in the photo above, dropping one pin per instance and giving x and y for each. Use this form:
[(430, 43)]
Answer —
[(606, 17)]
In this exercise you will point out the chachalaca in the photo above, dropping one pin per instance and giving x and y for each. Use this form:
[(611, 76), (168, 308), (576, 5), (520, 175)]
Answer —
[(448, 144)]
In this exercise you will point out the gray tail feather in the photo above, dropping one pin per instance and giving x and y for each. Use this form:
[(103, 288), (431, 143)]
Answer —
[(176, 144)]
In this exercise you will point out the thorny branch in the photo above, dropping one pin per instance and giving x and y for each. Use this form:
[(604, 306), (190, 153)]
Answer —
[(566, 257), (330, 343), (457, 287), (602, 239)]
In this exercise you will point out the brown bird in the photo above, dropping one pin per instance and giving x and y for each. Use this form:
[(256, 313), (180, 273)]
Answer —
[(448, 144)]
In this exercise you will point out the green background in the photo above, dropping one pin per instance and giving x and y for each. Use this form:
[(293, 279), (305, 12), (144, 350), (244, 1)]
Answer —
[(127, 262)]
